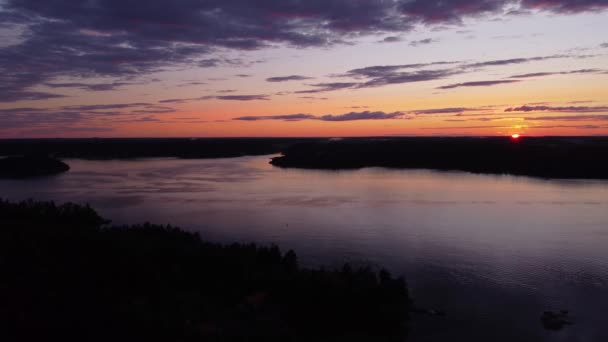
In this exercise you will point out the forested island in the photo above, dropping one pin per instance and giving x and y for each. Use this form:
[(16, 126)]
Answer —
[(69, 275), (549, 157), (21, 167)]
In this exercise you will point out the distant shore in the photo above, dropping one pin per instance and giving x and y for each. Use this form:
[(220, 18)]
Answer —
[(547, 157), (120, 148)]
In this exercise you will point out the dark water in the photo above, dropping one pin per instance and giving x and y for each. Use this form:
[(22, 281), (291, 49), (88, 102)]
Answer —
[(494, 252)]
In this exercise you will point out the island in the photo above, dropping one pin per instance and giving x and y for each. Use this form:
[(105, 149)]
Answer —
[(547, 157), (69, 275), (22, 167)]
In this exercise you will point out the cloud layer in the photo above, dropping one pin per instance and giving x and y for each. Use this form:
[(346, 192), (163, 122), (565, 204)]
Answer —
[(125, 40), (352, 116)]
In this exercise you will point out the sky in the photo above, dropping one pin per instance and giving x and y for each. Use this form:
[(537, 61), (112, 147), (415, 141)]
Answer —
[(297, 68)]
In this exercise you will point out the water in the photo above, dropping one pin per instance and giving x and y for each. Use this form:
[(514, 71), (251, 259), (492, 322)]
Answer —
[(494, 252)]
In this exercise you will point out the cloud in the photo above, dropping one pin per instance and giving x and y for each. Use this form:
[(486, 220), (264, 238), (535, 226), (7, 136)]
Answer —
[(511, 61), (569, 109), (382, 75), (453, 110), (66, 118), (114, 38), (477, 84), (288, 78), (568, 126), (220, 97), (118, 40), (89, 86), (242, 97), (367, 115), (566, 6), (570, 118), (313, 98), (423, 42), (391, 39), (453, 11), (287, 117), (542, 74), (352, 116), (330, 86), (604, 45)]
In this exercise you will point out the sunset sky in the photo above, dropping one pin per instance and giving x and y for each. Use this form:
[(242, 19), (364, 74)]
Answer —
[(211, 68)]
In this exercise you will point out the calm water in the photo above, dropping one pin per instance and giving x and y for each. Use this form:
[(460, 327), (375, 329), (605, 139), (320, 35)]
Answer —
[(494, 252)]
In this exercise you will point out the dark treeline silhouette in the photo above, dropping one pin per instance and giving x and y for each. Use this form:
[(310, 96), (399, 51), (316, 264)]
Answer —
[(551, 157), (30, 166), (146, 148), (68, 275)]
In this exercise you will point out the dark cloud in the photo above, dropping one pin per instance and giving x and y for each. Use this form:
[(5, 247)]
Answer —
[(367, 115), (569, 126), (566, 6), (464, 127), (423, 42), (288, 78), (542, 74), (409, 77), (192, 83), (23, 95), (63, 119), (352, 116), (510, 61), (242, 97), (379, 71), (107, 106), (288, 117), (381, 75), (391, 39), (220, 97), (89, 86), (568, 109), (123, 40), (453, 11), (605, 45), (477, 84), (313, 98), (330, 86), (225, 62), (454, 110), (478, 119), (570, 118)]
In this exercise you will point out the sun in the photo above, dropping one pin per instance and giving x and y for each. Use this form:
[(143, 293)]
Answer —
[(515, 136)]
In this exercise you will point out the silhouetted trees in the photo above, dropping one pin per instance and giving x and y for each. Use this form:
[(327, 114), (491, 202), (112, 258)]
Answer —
[(558, 157), (68, 274), (146, 148), (28, 167)]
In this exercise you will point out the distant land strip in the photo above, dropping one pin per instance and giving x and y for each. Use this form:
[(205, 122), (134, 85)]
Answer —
[(547, 157)]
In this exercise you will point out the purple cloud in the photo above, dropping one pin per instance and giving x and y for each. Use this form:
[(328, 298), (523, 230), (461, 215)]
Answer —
[(352, 116), (477, 84), (288, 78), (122, 41), (423, 42), (542, 74), (569, 109)]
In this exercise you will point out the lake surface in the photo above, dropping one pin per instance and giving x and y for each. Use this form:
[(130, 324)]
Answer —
[(494, 252)]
